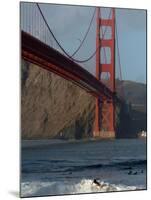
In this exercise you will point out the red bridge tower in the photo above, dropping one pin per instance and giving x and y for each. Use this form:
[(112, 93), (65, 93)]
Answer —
[(105, 109)]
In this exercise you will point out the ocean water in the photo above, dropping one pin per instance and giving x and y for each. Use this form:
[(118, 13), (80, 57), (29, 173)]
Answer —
[(53, 167)]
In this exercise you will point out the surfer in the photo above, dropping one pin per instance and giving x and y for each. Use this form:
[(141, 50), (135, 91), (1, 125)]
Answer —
[(101, 185), (130, 172), (96, 182)]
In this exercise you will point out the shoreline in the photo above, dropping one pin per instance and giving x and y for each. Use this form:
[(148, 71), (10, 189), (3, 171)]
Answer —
[(45, 142)]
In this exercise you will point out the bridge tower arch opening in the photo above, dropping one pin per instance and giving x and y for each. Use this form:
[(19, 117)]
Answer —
[(104, 125)]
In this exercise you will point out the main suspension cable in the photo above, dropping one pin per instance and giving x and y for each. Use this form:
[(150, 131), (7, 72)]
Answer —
[(118, 54), (85, 34), (69, 56)]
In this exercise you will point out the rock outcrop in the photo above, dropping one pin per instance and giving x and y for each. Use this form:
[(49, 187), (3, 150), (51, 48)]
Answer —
[(52, 107)]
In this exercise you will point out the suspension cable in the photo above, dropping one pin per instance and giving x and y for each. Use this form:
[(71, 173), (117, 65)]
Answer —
[(69, 56), (118, 54), (85, 34)]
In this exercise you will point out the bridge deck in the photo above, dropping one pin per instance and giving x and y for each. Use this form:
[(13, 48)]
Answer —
[(35, 51)]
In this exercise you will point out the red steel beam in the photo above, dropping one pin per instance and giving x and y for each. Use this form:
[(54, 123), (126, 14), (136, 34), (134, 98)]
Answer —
[(105, 110), (106, 43), (48, 58), (106, 22)]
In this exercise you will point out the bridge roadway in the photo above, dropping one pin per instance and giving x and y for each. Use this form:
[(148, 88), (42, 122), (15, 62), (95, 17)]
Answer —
[(36, 52)]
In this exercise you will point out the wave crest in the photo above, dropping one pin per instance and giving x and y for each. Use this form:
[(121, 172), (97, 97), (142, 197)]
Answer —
[(37, 188)]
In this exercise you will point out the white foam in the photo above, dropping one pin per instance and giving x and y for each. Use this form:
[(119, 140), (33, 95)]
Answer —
[(37, 188)]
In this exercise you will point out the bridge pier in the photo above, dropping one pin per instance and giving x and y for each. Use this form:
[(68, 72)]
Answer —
[(105, 121), (104, 134)]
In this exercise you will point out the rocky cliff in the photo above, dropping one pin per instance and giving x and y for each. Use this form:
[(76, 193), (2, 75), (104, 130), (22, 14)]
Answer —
[(52, 107)]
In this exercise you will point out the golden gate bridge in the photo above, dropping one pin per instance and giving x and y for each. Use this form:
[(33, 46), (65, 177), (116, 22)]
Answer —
[(40, 46)]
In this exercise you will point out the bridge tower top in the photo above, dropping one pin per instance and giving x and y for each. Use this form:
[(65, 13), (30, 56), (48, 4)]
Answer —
[(101, 44)]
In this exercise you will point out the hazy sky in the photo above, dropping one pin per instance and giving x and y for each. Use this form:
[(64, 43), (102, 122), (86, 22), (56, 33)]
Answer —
[(69, 24)]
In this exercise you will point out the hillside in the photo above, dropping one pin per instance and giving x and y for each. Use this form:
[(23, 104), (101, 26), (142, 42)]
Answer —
[(135, 97), (52, 107), (134, 93)]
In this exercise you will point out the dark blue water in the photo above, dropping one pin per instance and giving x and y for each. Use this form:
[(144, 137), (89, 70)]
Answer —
[(57, 167)]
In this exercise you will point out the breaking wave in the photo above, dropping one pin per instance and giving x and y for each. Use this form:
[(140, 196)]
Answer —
[(38, 188)]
